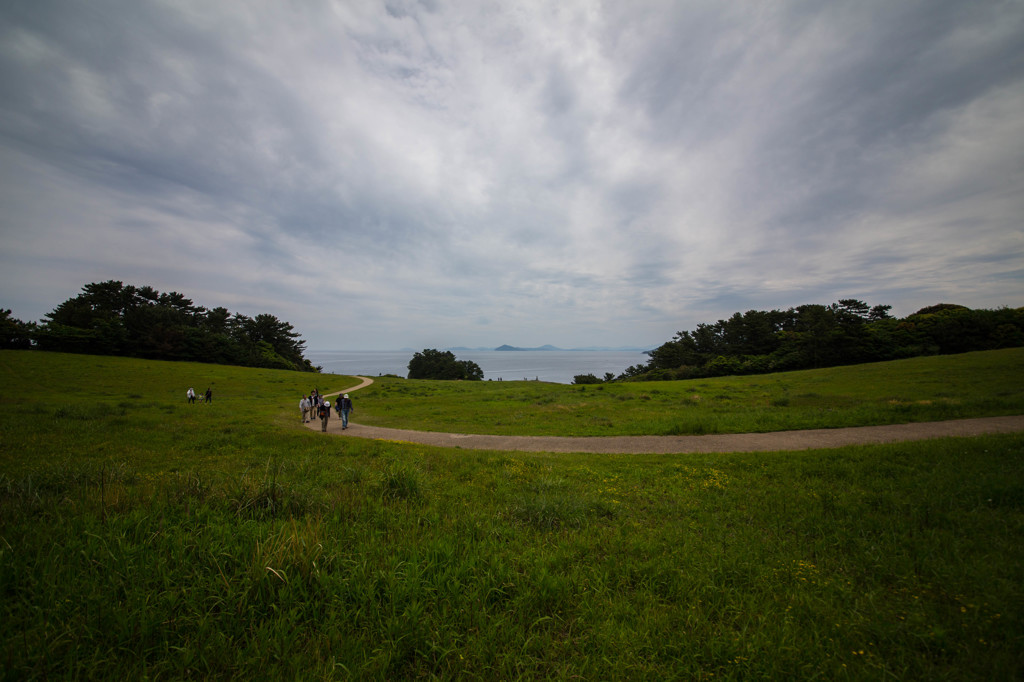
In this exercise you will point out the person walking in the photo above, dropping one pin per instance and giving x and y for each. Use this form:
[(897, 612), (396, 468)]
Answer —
[(324, 416), (304, 408), (344, 407), (209, 395), (191, 395)]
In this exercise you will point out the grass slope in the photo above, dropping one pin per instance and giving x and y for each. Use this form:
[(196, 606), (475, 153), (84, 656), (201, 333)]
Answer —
[(919, 389), (141, 537)]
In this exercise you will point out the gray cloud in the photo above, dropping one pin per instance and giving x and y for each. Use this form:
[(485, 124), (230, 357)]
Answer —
[(462, 173)]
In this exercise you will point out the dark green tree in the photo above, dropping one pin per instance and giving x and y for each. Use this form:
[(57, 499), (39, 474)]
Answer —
[(14, 333), (808, 336), (92, 322), (435, 364), (216, 321), (112, 318), (282, 342)]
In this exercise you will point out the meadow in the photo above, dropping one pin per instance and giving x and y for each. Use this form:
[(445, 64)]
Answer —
[(144, 538), (914, 390)]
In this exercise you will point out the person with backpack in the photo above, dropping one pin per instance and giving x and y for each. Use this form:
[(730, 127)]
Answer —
[(304, 407), (324, 416)]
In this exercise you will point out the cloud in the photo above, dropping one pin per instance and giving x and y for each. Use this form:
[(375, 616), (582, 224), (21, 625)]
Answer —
[(415, 174)]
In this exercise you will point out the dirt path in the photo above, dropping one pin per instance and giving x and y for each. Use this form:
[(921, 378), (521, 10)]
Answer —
[(363, 383), (737, 442)]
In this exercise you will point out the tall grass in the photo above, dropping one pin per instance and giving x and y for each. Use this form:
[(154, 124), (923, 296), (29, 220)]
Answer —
[(181, 543)]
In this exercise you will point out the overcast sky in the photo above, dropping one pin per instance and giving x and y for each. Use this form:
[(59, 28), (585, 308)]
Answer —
[(431, 174)]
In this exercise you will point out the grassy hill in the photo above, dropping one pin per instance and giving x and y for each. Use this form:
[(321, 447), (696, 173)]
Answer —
[(144, 537)]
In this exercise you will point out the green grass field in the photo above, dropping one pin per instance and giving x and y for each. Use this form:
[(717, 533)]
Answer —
[(144, 538), (921, 389)]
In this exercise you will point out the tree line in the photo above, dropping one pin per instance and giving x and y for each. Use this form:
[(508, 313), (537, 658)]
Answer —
[(813, 336), (113, 318)]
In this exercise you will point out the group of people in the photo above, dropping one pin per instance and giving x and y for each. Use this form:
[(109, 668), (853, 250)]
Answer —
[(315, 406), (207, 397)]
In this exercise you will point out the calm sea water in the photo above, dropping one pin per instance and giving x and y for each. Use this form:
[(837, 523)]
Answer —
[(506, 365)]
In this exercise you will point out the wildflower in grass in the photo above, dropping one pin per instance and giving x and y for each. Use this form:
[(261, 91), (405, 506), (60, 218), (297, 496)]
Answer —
[(715, 479)]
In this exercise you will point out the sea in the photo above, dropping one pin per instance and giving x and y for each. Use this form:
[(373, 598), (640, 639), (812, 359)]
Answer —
[(557, 366)]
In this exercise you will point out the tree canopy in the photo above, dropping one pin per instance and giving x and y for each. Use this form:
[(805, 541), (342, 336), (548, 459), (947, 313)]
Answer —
[(811, 336), (113, 318), (435, 364)]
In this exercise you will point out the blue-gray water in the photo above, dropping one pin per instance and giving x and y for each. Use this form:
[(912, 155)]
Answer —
[(511, 365)]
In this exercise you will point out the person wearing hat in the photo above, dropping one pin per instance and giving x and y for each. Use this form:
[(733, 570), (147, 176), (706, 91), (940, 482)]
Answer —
[(344, 406), (324, 415)]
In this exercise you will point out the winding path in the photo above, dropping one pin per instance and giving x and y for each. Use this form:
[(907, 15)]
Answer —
[(733, 442)]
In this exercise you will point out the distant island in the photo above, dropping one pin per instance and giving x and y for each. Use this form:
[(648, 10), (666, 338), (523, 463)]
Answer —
[(625, 349), (592, 348)]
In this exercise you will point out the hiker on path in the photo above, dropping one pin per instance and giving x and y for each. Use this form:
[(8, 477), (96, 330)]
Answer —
[(344, 407), (191, 395), (304, 408), (324, 416)]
